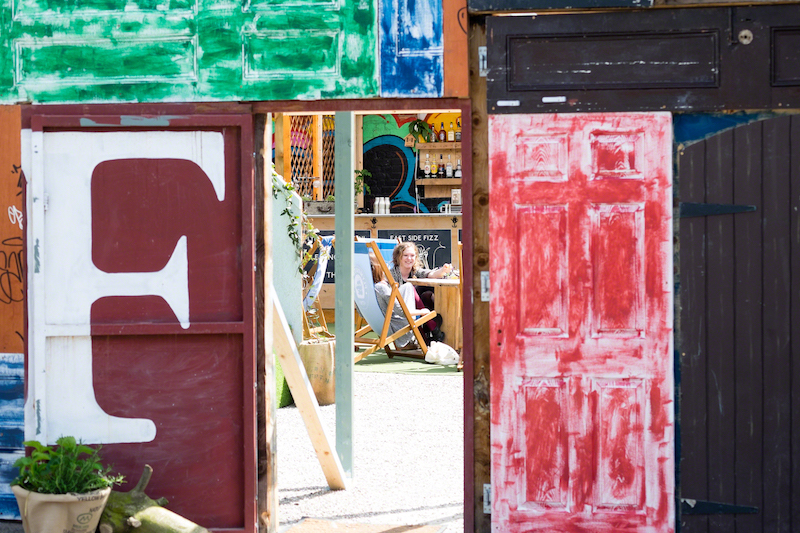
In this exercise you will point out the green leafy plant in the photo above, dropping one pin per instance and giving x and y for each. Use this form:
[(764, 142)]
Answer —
[(67, 467), (302, 233), (421, 130), (360, 184)]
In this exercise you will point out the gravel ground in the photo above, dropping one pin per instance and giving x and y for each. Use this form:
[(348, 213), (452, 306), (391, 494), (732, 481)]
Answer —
[(408, 456)]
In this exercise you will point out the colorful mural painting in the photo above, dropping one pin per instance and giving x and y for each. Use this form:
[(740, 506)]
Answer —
[(187, 50), (394, 165)]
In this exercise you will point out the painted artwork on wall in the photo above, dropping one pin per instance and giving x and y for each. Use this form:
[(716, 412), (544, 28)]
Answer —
[(187, 50), (394, 165)]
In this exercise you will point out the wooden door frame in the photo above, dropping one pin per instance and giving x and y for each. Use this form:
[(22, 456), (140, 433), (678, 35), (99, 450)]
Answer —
[(780, 97)]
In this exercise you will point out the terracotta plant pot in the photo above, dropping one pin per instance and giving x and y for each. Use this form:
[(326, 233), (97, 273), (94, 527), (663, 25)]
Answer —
[(48, 513)]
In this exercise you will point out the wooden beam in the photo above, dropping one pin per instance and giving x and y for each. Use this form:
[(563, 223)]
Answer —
[(283, 145), (267, 504), (11, 314), (456, 73), (345, 329), (316, 128), (478, 521), (304, 397)]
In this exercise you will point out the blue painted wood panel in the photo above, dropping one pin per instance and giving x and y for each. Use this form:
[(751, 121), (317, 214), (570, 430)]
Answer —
[(411, 48), (12, 390), (187, 50)]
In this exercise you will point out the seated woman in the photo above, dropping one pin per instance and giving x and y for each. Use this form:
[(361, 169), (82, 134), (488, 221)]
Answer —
[(406, 265), (383, 291)]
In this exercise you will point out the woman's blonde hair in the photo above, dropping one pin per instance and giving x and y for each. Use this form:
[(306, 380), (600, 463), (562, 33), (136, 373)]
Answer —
[(400, 249), (377, 272)]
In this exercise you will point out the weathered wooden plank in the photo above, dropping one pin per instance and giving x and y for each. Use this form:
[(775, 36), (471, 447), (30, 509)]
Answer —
[(795, 306), (222, 50), (304, 397), (477, 452), (747, 330), (776, 313), (692, 327), (720, 378), (411, 48), (456, 74), (266, 401), (11, 231)]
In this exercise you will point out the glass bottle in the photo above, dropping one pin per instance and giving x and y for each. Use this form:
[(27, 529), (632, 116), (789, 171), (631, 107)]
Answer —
[(457, 173), (458, 130), (427, 165), (448, 169), (451, 133), (433, 133), (442, 134), (434, 168), (440, 170)]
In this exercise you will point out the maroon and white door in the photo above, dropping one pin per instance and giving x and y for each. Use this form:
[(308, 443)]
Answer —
[(581, 322)]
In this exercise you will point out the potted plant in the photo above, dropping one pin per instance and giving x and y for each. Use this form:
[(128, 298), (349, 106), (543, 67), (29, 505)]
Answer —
[(63, 487)]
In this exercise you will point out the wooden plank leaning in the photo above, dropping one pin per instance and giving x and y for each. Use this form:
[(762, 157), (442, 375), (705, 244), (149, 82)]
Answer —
[(304, 397)]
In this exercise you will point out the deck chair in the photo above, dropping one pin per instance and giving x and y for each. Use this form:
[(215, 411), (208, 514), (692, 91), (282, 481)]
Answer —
[(313, 318), (367, 305)]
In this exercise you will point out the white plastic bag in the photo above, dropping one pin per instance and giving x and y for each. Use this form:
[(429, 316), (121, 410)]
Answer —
[(441, 354)]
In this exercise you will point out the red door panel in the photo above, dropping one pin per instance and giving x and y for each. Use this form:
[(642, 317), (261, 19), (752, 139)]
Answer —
[(581, 314)]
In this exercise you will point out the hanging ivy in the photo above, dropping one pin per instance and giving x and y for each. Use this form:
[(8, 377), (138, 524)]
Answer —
[(302, 233)]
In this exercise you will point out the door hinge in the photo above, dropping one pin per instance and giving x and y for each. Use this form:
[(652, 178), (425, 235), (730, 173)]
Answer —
[(689, 506), (487, 498), (692, 209)]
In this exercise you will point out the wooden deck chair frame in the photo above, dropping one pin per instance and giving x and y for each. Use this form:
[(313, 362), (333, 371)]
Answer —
[(313, 316), (367, 306)]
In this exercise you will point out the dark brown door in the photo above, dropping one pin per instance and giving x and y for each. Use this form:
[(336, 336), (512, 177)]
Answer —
[(739, 333)]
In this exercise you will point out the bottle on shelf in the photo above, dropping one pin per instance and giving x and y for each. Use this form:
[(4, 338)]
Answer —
[(458, 130), (440, 170), (434, 138), (448, 169), (427, 166), (434, 168), (457, 173), (451, 133), (442, 134)]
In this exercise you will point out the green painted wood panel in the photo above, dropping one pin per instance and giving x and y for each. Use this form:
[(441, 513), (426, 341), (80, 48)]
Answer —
[(186, 50)]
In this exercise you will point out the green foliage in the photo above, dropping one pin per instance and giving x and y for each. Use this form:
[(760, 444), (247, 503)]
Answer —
[(421, 130), (302, 233), (360, 184), (67, 467)]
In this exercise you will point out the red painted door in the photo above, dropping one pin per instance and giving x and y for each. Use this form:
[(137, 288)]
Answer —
[(581, 316)]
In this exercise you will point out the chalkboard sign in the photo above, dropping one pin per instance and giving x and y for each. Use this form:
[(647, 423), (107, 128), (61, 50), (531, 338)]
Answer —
[(330, 273), (433, 244)]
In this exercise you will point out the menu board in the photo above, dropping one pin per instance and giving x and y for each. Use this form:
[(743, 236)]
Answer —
[(433, 245)]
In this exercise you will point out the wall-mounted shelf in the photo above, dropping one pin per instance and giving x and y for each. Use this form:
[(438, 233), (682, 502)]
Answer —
[(438, 146), (451, 182)]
